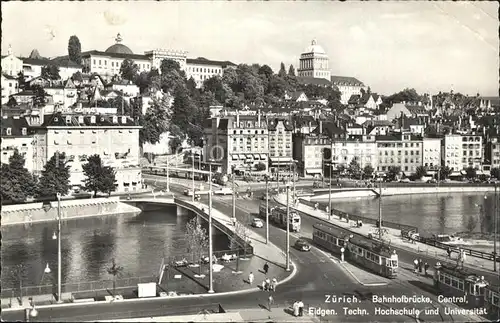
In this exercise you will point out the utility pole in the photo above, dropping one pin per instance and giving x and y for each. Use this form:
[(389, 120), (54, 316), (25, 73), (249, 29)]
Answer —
[(330, 192), (234, 195), (59, 288), (380, 210), (288, 227), (192, 155), (210, 240), (168, 185), (278, 165), (495, 224), (267, 208)]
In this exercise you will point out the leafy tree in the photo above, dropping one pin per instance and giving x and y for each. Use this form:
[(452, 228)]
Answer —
[(155, 122), (129, 70), (182, 108), (266, 71), (75, 49), (21, 80), (420, 172), (260, 167), (78, 77), (17, 182), (495, 173), (282, 71), (115, 270), (470, 173), (169, 65), (368, 171), (197, 240), (354, 168), (291, 71), (55, 177), (406, 95), (445, 172), (39, 96), (51, 72), (393, 173), (99, 178)]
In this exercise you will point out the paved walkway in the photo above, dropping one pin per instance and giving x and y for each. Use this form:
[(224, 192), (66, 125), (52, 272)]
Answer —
[(392, 236)]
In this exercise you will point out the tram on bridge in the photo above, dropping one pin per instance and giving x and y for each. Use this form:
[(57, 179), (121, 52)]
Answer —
[(365, 252), (277, 215)]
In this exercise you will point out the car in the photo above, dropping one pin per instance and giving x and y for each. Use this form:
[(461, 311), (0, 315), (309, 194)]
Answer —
[(405, 180), (188, 192), (223, 191), (257, 223), (432, 181), (302, 245), (263, 197)]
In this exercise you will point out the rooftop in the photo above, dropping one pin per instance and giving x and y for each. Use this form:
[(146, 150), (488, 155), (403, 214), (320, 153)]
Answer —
[(73, 120)]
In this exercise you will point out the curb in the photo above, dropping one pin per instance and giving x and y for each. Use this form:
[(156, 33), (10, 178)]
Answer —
[(357, 279), (206, 295)]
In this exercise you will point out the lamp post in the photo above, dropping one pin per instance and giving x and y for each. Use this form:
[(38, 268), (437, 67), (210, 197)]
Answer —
[(380, 210), (267, 208), (330, 192), (168, 186), (192, 155), (495, 232), (210, 241), (234, 194), (59, 248), (288, 227)]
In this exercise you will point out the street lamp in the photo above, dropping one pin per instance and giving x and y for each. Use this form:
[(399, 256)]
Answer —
[(233, 167), (380, 210), (58, 248), (210, 241), (192, 157), (267, 208), (495, 232), (288, 227)]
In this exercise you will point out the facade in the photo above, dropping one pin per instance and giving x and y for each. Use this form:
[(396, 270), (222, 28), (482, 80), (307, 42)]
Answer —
[(280, 143), (314, 62), (431, 153), (10, 85), (238, 142), (492, 152), (16, 135), (472, 151), (156, 56), (11, 65), (308, 151), (362, 149), (114, 138), (63, 96), (452, 151), (403, 150), (126, 87), (201, 69), (347, 86)]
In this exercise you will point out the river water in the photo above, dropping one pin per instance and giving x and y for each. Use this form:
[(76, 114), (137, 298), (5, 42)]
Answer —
[(137, 243), (432, 213)]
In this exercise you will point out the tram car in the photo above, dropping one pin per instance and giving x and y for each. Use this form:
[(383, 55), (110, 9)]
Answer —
[(360, 250), (492, 302), (451, 280), (277, 215)]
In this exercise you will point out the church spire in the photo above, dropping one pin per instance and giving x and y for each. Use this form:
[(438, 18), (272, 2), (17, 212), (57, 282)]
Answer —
[(9, 52), (118, 38)]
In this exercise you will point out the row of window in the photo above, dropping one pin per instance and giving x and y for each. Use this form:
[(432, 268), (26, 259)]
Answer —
[(386, 153), (405, 168), (117, 64), (204, 70), (451, 281), (391, 161), (399, 145), (8, 131), (477, 138)]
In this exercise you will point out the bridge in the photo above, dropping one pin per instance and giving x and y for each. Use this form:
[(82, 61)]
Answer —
[(164, 169), (322, 191)]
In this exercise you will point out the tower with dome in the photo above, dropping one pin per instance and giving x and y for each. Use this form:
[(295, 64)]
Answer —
[(314, 62)]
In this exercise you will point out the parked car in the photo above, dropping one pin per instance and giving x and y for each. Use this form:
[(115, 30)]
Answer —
[(302, 245), (405, 180), (224, 191), (188, 192), (257, 223), (432, 181)]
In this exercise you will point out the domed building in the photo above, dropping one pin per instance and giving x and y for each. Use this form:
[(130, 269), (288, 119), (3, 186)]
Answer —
[(314, 62), (119, 48)]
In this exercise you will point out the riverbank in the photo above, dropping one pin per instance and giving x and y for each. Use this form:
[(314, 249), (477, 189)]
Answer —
[(70, 209), (393, 191)]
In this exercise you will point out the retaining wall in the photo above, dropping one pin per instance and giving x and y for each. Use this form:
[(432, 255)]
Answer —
[(36, 212)]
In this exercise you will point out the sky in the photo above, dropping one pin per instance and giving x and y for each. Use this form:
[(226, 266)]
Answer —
[(429, 46)]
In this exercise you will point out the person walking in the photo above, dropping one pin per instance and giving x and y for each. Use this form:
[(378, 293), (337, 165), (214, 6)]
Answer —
[(266, 268), (250, 278), (301, 308), (415, 266), (426, 267), (270, 301), (449, 252), (274, 283), (295, 309), (420, 265), (264, 285), (268, 284)]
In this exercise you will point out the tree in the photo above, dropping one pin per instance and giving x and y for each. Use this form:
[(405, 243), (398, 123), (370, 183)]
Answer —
[(75, 49), (241, 230), (39, 96), (115, 270), (197, 240), (470, 173), (19, 274), (444, 172), (495, 173), (420, 172), (129, 70), (260, 167), (78, 77), (291, 71), (21, 80), (393, 173), (182, 108), (99, 178), (282, 71), (368, 171), (55, 177), (51, 72), (17, 182), (169, 65), (354, 168), (155, 122), (471, 223), (266, 71)]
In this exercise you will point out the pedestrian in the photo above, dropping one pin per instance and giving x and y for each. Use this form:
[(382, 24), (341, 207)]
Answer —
[(264, 285), (266, 268), (250, 278), (449, 252), (426, 267), (268, 284), (415, 267), (301, 308), (270, 301), (420, 265), (274, 283), (296, 309)]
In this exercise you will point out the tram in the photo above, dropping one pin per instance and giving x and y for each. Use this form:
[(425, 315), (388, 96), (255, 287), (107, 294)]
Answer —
[(277, 215), (365, 252), (492, 301)]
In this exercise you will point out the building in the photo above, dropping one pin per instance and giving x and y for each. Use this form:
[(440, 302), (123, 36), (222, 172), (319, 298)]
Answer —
[(402, 149), (472, 151), (280, 143), (10, 85), (66, 67), (348, 86), (11, 65), (17, 135), (238, 142), (156, 56), (410, 111), (308, 150), (107, 64), (492, 152), (114, 138), (201, 69), (452, 152), (486, 102), (431, 154), (314, 62), (64, 95), (125, 87)]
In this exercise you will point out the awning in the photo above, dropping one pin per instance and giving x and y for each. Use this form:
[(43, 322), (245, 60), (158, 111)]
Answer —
[(281, 159), (242, 157), (235, 157), (262, 157), (249, 156), (463, 172), (313, 171), (456, 174), (256, 156)]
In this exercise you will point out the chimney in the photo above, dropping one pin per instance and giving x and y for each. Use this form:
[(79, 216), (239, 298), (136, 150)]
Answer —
[(320, 127), (258, 117), (238, 117)]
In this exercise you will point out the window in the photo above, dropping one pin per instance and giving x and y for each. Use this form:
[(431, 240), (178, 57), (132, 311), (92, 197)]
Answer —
[(92, 119), (9, 131), (24, 131), (80, 119), (124, 120)]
